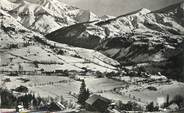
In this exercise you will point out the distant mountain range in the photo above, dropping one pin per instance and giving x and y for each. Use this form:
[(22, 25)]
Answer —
[(46, 15), (153, 40)]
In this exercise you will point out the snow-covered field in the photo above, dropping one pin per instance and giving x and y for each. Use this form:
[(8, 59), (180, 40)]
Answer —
[(61, 86), (139, 37), (45, 86), (138, 89), (146, 95), (56, 86)]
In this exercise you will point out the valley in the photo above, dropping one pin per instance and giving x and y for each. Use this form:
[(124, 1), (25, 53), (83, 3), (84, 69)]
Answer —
[(59, 58)]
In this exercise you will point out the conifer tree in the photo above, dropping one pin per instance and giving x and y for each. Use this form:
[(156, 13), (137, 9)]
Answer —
[(167, 100), (83, 94)]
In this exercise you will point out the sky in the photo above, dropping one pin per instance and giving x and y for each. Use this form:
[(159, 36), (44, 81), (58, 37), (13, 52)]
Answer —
[(119, 7)]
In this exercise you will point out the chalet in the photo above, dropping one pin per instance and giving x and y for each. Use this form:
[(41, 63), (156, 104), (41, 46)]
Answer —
[(19, 108), (173, 107), (97, 103)]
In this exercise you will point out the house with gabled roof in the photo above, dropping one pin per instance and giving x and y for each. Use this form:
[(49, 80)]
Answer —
[(97, 103)]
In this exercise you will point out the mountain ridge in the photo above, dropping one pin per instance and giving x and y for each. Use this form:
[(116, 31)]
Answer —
[(22, 47), (140, 37), (57, 14)]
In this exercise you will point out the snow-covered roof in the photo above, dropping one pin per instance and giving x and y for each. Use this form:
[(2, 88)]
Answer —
[(91, 100)]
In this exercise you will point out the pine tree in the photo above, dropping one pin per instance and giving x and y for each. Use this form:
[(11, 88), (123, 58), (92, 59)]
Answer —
[(150, 107), (35, 102), (83, 94), (167, 100)]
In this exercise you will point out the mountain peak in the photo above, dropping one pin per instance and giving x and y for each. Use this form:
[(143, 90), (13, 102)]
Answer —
[(51, 2), (45, 16), (45, 2), (144, 11), (172, 8)]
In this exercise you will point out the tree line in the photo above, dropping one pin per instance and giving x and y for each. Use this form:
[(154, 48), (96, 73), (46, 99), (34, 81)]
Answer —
[(8, 100)]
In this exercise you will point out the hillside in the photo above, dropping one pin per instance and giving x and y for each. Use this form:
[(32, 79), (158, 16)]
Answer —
[(78, 35), (56, 52), (150, 39), (143, 38), (22, 49)]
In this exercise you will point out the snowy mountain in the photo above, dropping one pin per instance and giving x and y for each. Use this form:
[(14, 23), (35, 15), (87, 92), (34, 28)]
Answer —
[(84, 35), (140, 21), (46, 16), (22, 49), (48, 37), (13, 33), (7, 5), (143, 38), (150, 39)]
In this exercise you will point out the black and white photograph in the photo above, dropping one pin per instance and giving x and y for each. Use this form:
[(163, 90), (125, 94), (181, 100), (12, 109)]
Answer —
[(91, 56)]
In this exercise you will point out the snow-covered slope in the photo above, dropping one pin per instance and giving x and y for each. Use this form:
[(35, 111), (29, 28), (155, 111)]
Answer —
[(24, 50), (46, 16), (81, 35), (12, 33), (140, 21), (144, 20), (7, 5), (36, 58), (141, 37), (153, 40)]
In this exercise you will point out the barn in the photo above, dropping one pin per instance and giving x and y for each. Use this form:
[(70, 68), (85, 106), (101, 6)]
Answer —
[(97, 103)]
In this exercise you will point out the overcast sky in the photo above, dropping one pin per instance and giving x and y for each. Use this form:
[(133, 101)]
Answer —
[(119, 7)]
